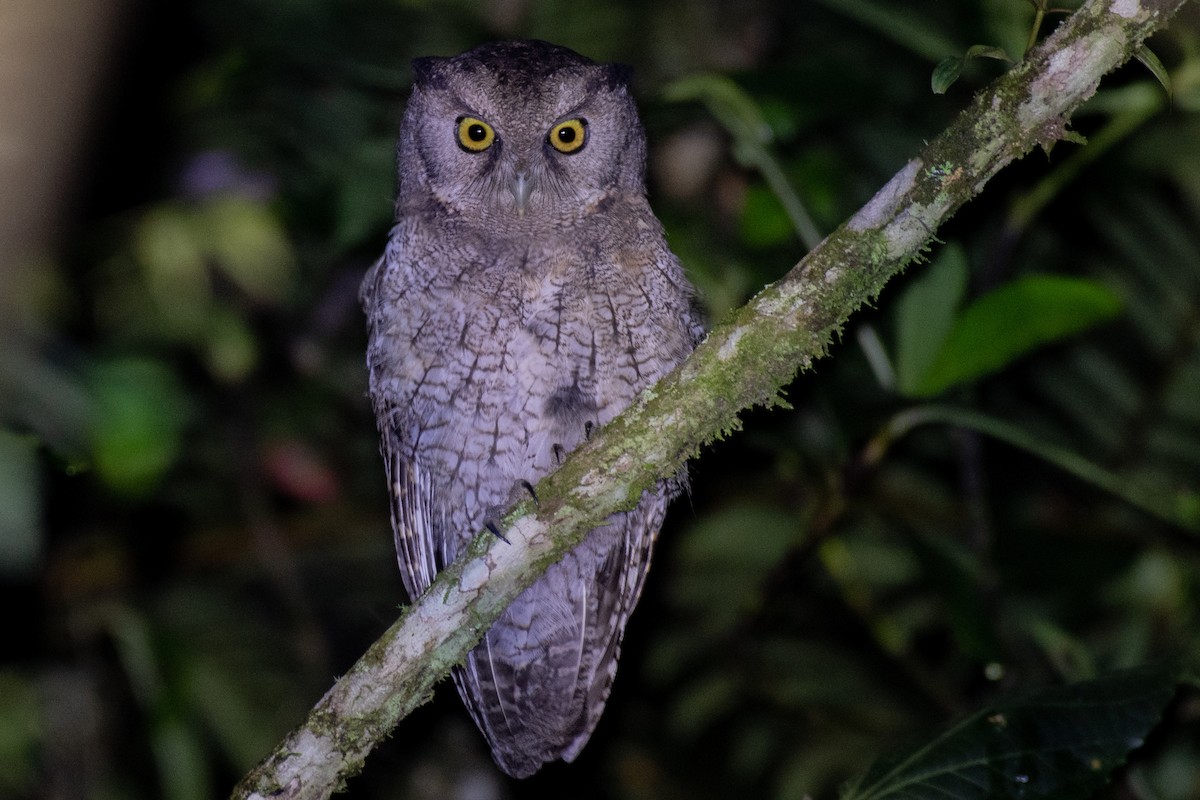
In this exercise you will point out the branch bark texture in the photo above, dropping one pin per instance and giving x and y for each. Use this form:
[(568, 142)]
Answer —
[(745, 361)]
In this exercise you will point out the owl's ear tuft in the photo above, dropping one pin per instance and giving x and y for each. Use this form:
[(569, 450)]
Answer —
[(617, 76), (427, 72)]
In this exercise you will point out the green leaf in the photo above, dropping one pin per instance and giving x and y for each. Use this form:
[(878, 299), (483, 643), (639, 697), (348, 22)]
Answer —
[(1177, 505), (740, 115), (954, 571), (988, 51), (21, 733), (1150, 61), (249, 245), (141, 410), (1060, 743), (171, 252), (1013, 320), (945, 74), (734, 109), (925, 315), (231, 351), (896, 24), (363, 204), (177, 745), (20, 505), (764, 220), (722, 582), (949, 68)]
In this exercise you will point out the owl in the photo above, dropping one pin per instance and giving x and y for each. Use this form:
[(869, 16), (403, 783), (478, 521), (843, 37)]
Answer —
[(525, 297)]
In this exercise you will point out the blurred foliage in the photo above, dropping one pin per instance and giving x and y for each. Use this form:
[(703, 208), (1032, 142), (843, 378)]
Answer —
[(990, 487), (1080, 731)]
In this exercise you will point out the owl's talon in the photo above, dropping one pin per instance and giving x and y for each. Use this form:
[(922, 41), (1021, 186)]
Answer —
[(558, 453), (529, 488), (495, 529), (587, 430)]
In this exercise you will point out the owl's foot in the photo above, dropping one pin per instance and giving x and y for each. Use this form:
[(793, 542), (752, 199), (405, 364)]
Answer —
[(560, 452), (495, 529), (492, 520), (527, 486)]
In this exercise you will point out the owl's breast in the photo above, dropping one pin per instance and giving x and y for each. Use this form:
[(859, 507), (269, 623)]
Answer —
[(504, 355), (595, 331)]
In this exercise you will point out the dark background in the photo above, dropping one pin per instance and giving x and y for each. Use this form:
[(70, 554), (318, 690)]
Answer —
[(193, 526)]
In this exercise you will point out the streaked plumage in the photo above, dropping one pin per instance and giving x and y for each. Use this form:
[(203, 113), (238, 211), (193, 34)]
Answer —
[(526, 294)]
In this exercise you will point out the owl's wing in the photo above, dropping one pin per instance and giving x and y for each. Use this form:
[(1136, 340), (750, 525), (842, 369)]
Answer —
[(537, 683), (411, 493), (620, 592), (409, 485)]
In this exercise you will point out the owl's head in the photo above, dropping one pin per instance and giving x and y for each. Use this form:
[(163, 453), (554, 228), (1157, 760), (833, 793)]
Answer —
[(519, 133)]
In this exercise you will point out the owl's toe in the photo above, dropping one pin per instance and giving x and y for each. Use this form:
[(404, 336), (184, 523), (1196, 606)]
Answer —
[(520, 489), (491, 525)]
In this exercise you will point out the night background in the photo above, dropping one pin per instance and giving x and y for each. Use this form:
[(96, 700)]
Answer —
[(990, 487)]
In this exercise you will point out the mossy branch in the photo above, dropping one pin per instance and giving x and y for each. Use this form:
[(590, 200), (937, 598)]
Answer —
[(744, 362)]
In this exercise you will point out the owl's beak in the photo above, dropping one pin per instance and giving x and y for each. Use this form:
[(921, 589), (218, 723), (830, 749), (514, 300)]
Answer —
[(521, 188)]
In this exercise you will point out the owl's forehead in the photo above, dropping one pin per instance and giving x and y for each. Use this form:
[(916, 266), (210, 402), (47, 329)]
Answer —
[(507, 93), (517, 80), (522, 64)]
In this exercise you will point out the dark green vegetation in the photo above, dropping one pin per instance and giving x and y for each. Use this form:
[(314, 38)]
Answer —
[(190, 445)]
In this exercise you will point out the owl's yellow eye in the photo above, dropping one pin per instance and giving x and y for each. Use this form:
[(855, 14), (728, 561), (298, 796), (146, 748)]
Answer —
[(475, 134), (569, 136)]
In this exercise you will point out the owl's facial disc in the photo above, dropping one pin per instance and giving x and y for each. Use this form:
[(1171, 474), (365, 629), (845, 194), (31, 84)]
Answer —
[(524, 159)]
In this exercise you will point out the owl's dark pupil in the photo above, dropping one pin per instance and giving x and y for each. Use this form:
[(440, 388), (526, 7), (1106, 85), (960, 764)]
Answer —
[(566, 135), (476, 132)]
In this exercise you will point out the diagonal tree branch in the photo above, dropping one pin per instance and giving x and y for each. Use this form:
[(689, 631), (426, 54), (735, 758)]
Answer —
[(744, 361)]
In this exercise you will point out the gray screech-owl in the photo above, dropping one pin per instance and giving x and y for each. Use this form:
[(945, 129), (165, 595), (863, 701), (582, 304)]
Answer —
[(526, 296)]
